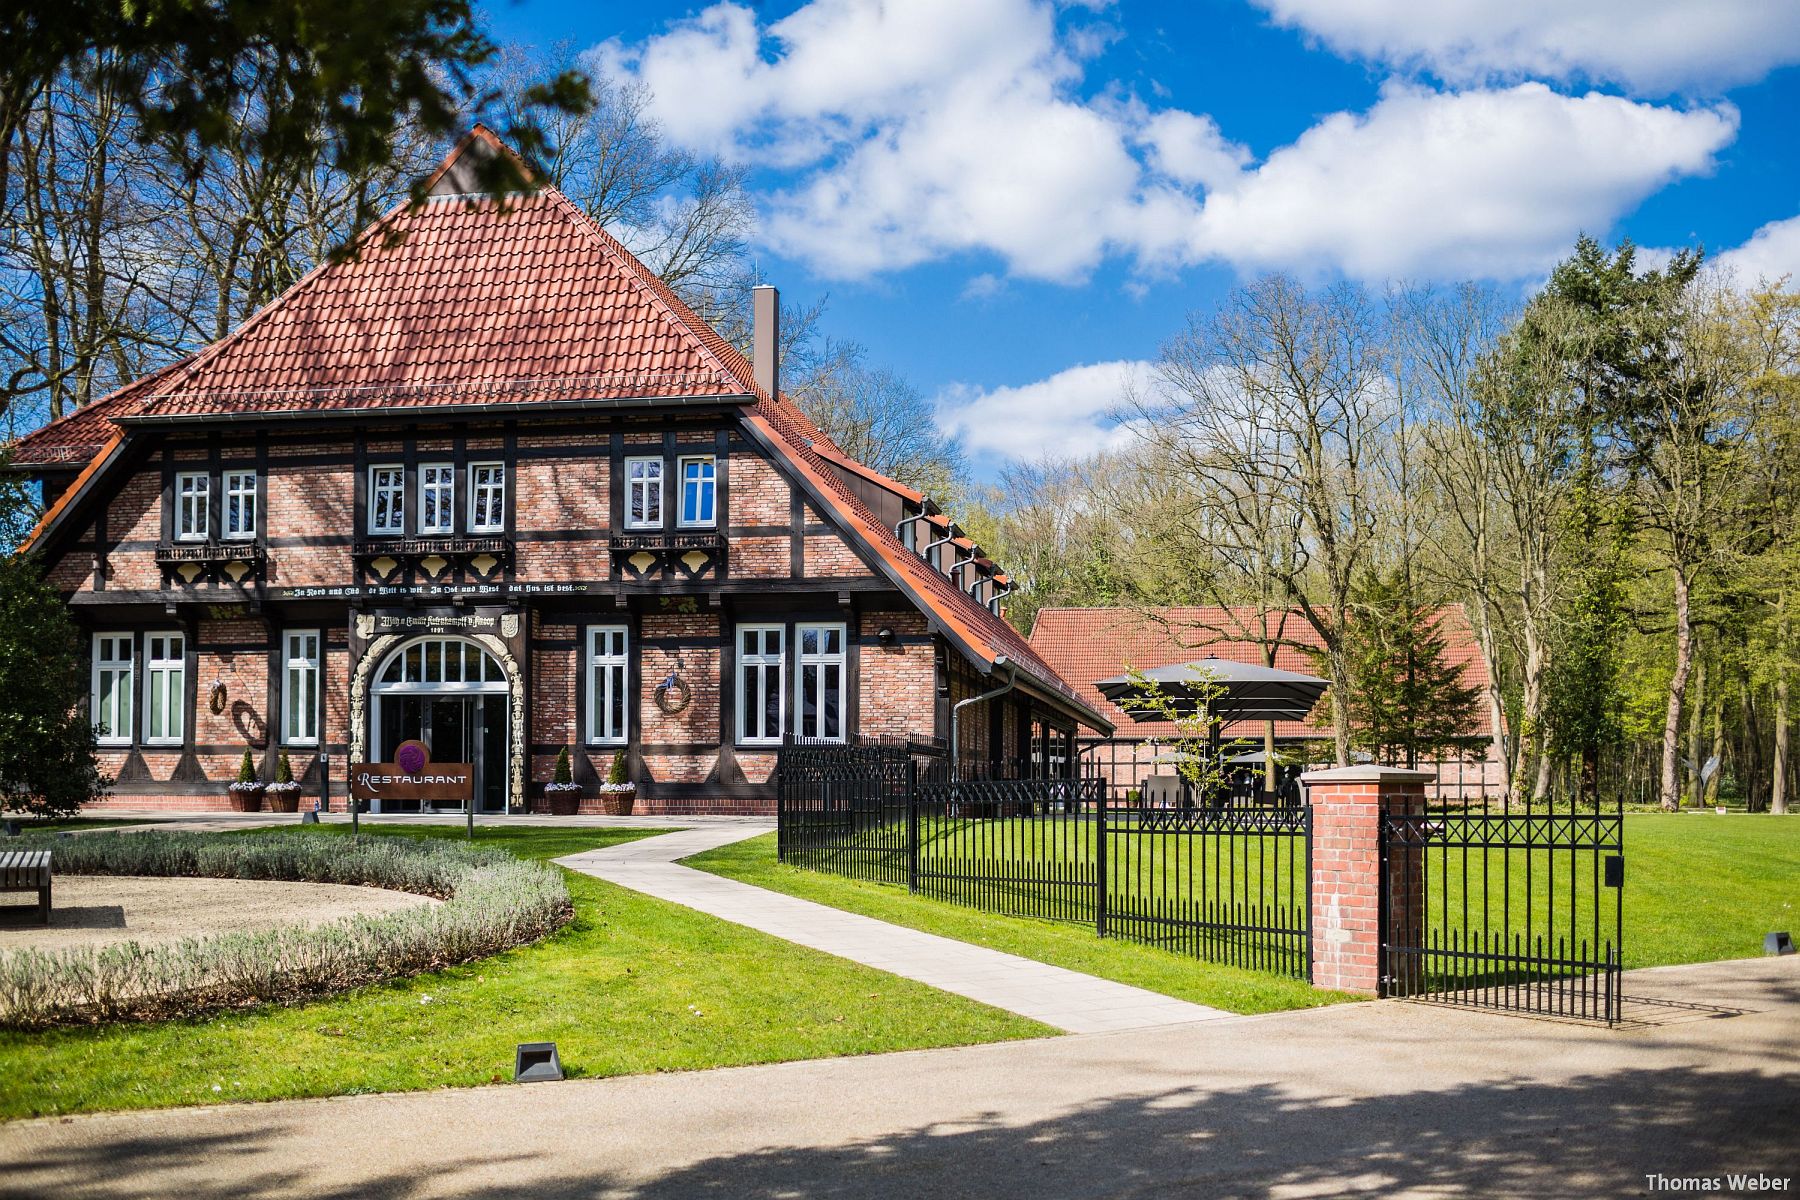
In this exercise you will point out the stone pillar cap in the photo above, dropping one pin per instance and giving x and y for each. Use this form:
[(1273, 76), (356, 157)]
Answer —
[(1367, 774)]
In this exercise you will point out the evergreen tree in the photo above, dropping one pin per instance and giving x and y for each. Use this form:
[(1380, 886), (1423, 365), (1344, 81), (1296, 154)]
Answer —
[(47, 764), (1407, 702)]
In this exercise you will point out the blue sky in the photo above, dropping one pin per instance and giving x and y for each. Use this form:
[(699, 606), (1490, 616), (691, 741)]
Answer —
[(1015, 202)]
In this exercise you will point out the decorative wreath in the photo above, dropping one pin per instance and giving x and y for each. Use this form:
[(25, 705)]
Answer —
[(672, 694)]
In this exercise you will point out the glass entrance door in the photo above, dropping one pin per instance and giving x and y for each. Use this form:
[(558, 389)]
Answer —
[(452, 695), (458, 728)]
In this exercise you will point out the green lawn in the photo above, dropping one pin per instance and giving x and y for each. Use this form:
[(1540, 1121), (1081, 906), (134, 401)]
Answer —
[(633, 984), (1700, 887), (1063, 944)]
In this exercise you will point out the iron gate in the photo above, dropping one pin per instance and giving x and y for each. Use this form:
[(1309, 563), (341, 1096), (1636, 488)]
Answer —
[(1513, 908)]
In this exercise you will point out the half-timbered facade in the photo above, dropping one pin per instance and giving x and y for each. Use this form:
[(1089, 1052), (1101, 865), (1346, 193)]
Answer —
[(490, 485)]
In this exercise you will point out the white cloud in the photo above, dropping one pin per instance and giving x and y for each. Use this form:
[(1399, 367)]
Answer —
[(1772, 253), (923, 131), (1429, 184), (1068, 415), (1654, 46)]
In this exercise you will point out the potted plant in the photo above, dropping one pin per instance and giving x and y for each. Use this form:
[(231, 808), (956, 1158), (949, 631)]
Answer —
[(284, 793), (563, 793), (247, 792), (618, 793)]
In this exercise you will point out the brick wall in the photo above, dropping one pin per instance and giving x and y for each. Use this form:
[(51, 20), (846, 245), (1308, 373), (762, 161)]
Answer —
[(899, 682)]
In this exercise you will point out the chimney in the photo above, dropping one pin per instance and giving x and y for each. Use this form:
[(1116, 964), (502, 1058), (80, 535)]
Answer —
[(765, 338)]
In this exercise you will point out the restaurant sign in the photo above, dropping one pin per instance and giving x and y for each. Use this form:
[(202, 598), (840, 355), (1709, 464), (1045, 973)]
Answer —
[(413, 776)]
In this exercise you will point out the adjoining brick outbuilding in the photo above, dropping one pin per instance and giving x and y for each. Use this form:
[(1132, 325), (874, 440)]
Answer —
[(491, 485)]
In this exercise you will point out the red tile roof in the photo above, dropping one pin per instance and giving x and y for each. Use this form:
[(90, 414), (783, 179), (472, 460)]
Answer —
[(525, 300), (1086, 645), (71, 440)]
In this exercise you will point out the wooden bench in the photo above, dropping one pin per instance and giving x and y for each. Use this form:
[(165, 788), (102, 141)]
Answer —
[(27, 871)]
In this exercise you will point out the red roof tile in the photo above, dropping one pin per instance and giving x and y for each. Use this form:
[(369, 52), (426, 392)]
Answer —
[(70, 441), (1086, 645)]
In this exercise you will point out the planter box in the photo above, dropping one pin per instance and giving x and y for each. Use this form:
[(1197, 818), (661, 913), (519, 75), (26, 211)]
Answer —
[(618, 804), (246, 799), (563, 803), (282, 799)]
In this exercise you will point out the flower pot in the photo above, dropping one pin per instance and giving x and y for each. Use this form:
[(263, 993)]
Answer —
[(618, 804), (283, 798), (246, 797), (563, 801)]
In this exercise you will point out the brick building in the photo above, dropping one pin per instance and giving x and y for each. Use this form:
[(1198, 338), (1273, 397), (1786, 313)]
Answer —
[(490, 485), (1086, 645)]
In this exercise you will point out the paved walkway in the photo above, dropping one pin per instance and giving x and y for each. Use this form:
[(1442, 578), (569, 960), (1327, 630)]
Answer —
[(1065, 999), (1359, 1100)]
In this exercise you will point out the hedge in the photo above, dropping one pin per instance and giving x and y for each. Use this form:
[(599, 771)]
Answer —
[(492, 901)]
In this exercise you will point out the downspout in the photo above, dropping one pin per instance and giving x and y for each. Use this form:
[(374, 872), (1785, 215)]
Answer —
[(931, 547), (1012, 677), (909, 521)]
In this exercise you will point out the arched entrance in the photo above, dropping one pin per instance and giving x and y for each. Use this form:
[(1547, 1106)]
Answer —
[(453, 695)]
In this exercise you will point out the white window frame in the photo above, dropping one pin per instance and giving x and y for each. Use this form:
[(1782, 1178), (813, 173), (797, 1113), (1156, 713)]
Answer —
[(632, 486), (125, 672), (437, 477), (762, 663), (165, 676), (494, 488), (396, 494), (820, 659), (608, 677), (239, 486), (710, 487), (193, 499), (299, 667)]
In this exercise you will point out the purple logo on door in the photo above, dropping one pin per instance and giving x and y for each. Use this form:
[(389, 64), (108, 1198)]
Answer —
[(410, 757)]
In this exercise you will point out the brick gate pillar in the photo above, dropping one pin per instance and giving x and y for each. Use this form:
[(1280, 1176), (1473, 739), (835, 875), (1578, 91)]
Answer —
[(1347, 805)]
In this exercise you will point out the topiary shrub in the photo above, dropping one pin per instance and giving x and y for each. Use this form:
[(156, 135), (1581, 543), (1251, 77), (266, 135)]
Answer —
[(492, 902), (562, 792), (284, 793)]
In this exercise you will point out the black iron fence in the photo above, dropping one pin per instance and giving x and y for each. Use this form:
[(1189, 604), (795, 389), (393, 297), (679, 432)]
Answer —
[(1224, 884), (1506, 908)]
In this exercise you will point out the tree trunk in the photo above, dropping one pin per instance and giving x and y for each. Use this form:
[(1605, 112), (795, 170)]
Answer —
[(1717, 750), (1778, 785), (1669, 794), (1696, 702), (1778, 790), (1531, 706)]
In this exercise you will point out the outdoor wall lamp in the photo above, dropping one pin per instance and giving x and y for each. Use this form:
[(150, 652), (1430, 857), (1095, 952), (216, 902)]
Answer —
[(886, 637)]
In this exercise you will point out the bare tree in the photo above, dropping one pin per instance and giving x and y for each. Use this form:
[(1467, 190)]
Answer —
[(1504, 444), (1440, 337), (1277, 409)]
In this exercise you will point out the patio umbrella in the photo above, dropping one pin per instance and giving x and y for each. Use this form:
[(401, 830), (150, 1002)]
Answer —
[(1246, 691)]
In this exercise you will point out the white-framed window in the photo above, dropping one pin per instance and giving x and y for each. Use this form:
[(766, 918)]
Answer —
[(437, 498), (762, 683), (387, 499), (110, 706), (165, 688), (819, 707), (643, 493), (240, 505), (301, 651), (699, 489), (487, 497), (193, 493), (608, 694)]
